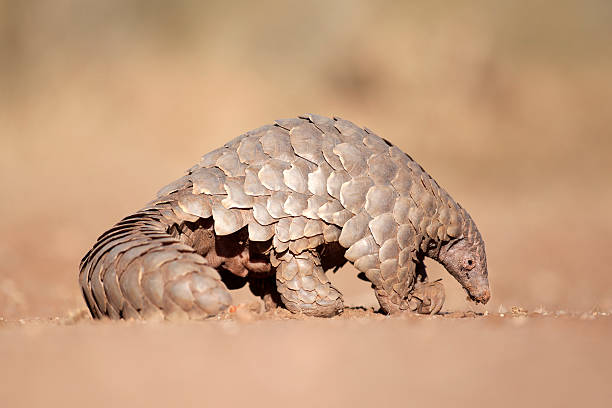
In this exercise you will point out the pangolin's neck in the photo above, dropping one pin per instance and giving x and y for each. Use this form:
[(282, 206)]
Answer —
[(454, 224)]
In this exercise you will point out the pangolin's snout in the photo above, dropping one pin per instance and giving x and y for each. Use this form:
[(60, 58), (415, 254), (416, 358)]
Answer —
[(480, 296), (485, 297)]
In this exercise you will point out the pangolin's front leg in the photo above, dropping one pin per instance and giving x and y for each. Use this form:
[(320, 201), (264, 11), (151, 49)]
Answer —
[(426, 297), (407, 290), (304, 287), (391, 286)]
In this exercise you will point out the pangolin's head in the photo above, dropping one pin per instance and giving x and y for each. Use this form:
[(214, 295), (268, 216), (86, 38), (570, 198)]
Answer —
[(466, 260)]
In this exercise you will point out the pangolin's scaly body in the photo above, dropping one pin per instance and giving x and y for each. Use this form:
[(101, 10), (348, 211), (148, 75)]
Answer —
[(277, 206)]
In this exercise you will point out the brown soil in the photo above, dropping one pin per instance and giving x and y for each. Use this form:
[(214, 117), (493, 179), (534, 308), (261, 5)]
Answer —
[(358, 359)]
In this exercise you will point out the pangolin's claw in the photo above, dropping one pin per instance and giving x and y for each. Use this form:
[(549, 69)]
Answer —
[(428, 297)]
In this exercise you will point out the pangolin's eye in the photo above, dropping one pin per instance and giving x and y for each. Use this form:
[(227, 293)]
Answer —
[(469, 264)]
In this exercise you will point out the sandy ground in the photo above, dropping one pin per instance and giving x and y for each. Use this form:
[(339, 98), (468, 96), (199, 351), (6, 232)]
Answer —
[(508, 107), (357, 360)]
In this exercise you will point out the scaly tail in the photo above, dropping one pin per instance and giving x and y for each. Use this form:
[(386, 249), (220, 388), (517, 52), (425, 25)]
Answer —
[(138, 270)]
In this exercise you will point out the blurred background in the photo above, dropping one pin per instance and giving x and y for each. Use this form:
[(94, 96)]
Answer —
[(507, 104)]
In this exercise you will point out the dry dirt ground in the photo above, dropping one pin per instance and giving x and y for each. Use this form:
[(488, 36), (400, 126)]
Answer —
[(508, 106), (357, 360)]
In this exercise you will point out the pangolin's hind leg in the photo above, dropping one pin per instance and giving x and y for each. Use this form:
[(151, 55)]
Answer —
[(265, 288), (304, 287)]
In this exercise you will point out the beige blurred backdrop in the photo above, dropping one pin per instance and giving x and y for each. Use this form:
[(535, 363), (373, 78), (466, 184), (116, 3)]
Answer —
[(507, 104)]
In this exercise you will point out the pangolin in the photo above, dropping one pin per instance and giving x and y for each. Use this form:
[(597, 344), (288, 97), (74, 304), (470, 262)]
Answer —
[(276, 208)]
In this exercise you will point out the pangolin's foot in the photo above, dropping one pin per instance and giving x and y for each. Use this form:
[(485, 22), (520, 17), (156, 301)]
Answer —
[(265, 288), (304, 287), (312, 303), (426, 298)]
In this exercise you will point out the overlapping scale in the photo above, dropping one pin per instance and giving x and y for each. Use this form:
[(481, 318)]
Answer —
[(296, 177), (341, 217), (389, 250), (282, 229), (195, 204), (383, 228), (375, 143), (176, 185), (210, 158), (313, 228), (331, 233), (276, 203), (405, 235), (317, 180), (289, 123), (296, 204), (250, 151), (258, 232), (362, 247), (381, 168), (350, 132), (276, 144), (335, 181), (226, 221), (380, 199), (252, 184), (236, 197), (353, 193), (297, 227), (327, 210), (327, 148), (208, 181), (353, 158), (271, 174), (354, 229), (314, 205), (230, 163), (306, 141), (260, 211)]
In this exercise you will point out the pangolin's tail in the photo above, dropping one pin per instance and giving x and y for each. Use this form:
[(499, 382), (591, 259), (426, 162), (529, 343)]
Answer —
[(138, 270)]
